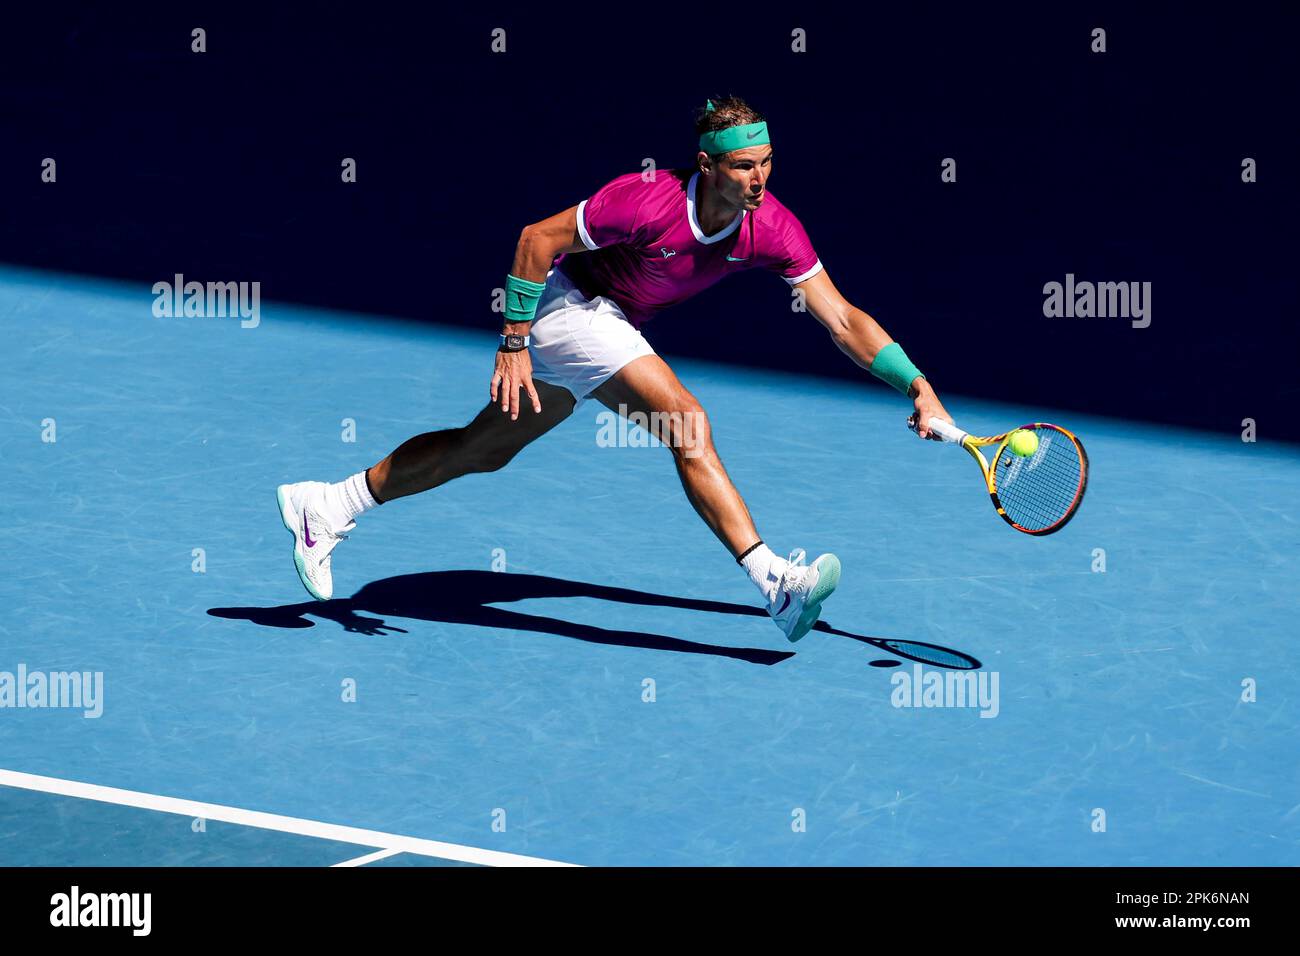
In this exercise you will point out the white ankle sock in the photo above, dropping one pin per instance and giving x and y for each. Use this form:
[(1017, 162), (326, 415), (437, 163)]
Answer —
[(764, 569), (348, 498)]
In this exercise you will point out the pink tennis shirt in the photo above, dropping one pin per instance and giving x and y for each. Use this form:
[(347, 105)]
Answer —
[(648, 251)]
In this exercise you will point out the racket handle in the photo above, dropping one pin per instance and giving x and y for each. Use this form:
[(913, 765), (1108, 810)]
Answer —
[(947, 431)]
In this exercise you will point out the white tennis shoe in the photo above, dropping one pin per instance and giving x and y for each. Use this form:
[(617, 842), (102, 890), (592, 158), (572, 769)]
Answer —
[(799, 596), (314, 538)]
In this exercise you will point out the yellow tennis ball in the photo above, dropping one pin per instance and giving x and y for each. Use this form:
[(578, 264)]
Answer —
[(1023, 443)]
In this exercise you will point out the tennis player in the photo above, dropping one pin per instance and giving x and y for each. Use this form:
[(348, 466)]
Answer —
[(572, 331)]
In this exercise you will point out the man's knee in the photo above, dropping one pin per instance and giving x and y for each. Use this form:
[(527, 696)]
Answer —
[(492, 441), (493, 460), (687, 432), (484, 454)]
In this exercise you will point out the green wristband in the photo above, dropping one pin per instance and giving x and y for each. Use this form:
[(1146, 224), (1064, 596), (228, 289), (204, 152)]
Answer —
[(521, 298), (892, 365)]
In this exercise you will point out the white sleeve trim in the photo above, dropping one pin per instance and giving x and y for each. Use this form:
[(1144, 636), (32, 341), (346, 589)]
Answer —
[(582, 228), (817, 267)]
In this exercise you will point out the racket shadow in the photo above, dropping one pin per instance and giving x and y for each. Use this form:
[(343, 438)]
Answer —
[(933, 654)]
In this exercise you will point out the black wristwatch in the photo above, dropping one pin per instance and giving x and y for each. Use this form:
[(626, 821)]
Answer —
[(513, 343)]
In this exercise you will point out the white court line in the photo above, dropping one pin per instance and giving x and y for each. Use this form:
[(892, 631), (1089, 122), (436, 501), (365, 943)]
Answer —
[(368, 858), (269, 821)]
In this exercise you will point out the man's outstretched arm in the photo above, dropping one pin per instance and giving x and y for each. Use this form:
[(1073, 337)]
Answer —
[(861, 338)]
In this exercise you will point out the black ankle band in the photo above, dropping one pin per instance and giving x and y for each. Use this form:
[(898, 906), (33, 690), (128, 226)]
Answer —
[(741, 559), (371, 489)]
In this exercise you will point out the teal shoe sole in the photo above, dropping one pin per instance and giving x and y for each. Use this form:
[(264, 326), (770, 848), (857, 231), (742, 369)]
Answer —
[(828, 578)]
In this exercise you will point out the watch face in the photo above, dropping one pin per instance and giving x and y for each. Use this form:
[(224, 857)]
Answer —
[(514, 341)]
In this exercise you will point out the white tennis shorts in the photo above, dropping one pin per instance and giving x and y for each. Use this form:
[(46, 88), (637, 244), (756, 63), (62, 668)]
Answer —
[(578, 343)]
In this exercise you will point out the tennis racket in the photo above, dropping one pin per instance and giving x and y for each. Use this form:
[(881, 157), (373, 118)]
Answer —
[(1036, 494)]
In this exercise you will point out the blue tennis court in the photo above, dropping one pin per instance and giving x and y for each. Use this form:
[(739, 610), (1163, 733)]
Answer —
[(586, 677)]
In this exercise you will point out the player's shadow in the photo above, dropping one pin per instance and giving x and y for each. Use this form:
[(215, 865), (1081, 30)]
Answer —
[(467, 597)]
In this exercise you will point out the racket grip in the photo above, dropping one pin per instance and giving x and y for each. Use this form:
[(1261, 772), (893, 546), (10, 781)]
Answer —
[(946, 431)]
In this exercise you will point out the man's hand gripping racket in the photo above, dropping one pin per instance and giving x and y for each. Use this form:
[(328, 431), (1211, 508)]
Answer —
[(1037, 493)]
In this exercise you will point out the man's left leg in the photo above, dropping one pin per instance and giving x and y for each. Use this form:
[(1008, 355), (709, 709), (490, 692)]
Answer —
[(794, 593), (647, 385)]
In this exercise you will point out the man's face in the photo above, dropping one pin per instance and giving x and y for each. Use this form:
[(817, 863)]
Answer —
[(740, 177)]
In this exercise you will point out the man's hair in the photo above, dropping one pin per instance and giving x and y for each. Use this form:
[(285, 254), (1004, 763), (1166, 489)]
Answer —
[(727, 111)]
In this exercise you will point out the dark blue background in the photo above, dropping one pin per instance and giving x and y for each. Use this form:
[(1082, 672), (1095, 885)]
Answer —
[(1123, 166)]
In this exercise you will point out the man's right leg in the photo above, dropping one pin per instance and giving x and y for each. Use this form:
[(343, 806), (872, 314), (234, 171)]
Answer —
[(485, 444), (319, 514)]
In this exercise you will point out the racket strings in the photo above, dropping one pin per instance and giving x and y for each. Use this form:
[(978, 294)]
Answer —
[(1040, 490)]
